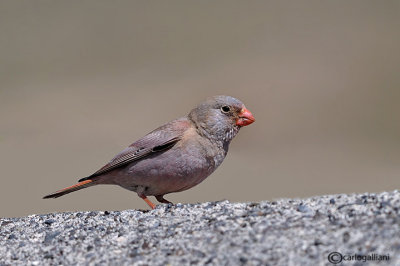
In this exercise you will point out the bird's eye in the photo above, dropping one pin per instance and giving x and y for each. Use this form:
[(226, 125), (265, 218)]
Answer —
[(225, 109)]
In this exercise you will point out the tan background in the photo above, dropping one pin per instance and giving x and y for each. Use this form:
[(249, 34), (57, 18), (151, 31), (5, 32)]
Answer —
[(80, 80)]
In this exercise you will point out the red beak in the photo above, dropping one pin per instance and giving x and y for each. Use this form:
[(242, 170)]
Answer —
[(245, 118)]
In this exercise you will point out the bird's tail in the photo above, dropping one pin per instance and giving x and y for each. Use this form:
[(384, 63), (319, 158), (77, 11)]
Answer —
[(78, 186)]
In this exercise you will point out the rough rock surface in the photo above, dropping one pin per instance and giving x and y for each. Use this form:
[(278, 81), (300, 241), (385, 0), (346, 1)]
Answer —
[(283, 232)]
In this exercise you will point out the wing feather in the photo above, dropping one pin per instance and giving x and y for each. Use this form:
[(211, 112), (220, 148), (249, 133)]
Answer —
[(161, 139)]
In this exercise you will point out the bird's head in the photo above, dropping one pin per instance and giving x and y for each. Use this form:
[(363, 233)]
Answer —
[(220, 117)]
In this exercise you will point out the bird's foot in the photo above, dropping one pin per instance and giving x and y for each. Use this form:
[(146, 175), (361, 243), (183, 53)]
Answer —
[(162, 200)]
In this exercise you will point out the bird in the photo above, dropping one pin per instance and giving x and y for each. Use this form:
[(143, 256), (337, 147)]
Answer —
[(176, 156)]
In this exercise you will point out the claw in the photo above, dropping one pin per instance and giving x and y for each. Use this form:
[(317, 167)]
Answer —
[(162, 200)]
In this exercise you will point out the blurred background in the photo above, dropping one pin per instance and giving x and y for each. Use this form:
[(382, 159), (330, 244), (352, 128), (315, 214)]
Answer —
[(81, 80)]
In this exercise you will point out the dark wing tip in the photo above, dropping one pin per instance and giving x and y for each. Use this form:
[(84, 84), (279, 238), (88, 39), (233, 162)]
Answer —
[(85, 178)]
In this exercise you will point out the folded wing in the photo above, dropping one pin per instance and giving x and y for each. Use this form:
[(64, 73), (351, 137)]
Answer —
[(159, 140)]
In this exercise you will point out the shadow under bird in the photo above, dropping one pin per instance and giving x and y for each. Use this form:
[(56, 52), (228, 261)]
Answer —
[(175, 156)]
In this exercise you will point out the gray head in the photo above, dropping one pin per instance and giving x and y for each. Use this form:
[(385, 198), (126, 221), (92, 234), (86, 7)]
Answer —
[(219, 118)]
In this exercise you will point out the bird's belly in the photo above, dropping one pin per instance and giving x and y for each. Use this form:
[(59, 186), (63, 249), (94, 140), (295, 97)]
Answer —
[(170, 171)]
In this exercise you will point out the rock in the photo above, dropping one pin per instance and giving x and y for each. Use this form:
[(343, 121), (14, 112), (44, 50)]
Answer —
[(282, 232)]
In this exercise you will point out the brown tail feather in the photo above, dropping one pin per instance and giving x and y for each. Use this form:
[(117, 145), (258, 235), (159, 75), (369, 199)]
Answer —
[(80, 185)]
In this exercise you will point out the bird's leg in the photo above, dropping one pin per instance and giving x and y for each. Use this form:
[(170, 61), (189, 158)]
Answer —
[(151, 204), (161, 199)]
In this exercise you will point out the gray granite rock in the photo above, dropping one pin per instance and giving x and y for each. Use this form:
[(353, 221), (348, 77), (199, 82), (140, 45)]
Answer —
[(283, 232)]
